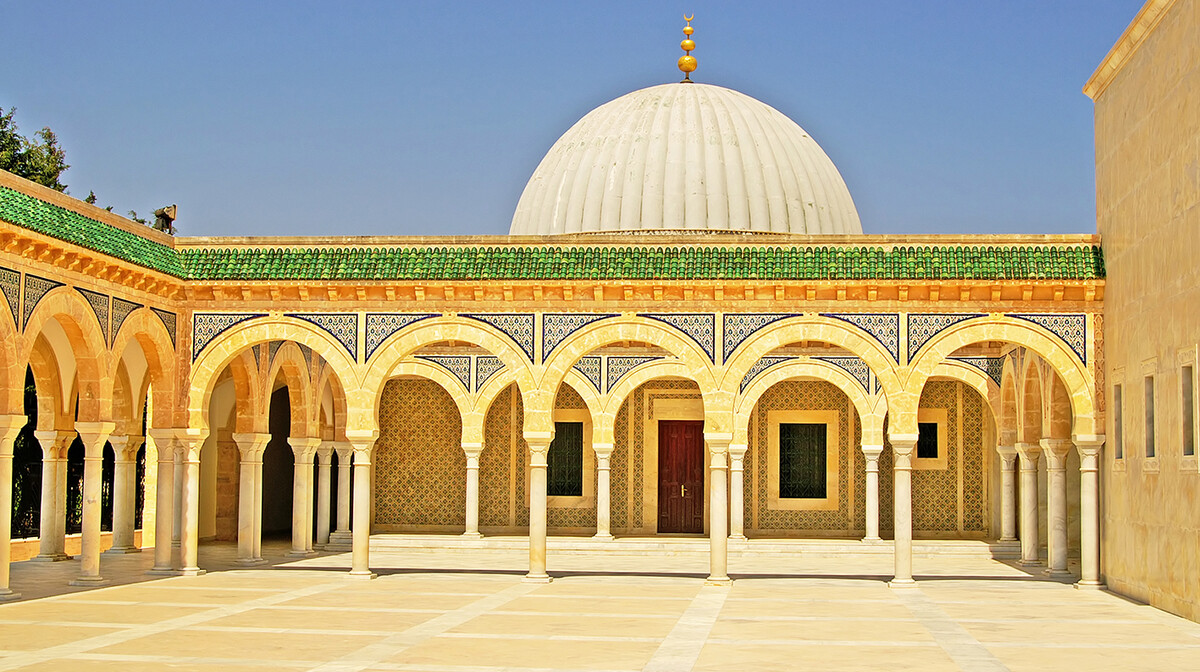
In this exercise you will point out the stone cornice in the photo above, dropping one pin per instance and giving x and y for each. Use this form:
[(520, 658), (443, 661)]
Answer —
[(1126, 46)]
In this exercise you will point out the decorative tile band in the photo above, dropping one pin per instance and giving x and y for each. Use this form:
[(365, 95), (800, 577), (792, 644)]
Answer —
[(992, 367), (207, 326), (737, 327), (121, 309), (760, 366), (342, 326), (10, 283), (700, 327), (922, 327), (854, 366), (884, 327), (1071, 328), (589, 367), (459, 366), (99, 304), (619, 366), (556, 327), (380, 326), (169, 321), (35, 289), (517, 326)]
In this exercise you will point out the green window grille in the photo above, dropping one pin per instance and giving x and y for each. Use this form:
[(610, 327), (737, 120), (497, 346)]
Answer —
[(927, 440), (802, 468), (564, 462)]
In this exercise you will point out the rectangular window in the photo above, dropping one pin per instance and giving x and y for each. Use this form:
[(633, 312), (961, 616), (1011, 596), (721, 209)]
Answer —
[(1118, 427), (927, 440), (564, 461), (1188, 381), (802, 462), (1149, 416)]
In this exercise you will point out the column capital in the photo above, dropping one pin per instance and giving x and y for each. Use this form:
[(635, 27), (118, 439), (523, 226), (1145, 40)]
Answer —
[(251, 445), (737, 451), (903, 447), (362, 443), (603, 450), (343, 450), (325, 451), (539, 447), (472, 449), (1029, 452), (1089, 446), (872, 453), (125, 446), (188, 442), (1008, 455), (10, 426), (1056, 451), (94, 435), (718, 441), (54, 442), (304, 447)]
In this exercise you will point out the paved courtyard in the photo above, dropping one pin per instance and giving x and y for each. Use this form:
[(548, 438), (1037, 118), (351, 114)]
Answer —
[(467, 611)]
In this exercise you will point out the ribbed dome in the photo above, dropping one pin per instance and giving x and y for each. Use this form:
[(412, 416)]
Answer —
[(690, 158)]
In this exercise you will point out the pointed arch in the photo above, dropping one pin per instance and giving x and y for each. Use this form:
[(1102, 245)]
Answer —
[(809, 369), (67, 307), (143, 328)]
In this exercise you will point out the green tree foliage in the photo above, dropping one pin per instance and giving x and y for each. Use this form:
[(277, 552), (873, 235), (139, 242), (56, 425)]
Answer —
[(40, 160)]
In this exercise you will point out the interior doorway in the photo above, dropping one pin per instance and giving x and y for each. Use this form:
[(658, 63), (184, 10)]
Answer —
[(681, 476)]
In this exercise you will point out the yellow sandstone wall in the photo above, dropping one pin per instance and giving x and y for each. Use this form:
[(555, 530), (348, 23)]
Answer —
[(1148, 207)]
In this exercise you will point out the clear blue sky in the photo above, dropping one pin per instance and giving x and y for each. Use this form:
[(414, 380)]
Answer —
[(427, 118)]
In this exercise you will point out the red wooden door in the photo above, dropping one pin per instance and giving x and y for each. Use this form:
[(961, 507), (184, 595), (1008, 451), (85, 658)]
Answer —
[(680, 476)]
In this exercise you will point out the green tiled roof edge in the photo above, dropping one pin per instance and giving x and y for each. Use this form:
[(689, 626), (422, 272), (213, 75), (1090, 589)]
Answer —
[(758, 262), (72, 227), (550, 262)]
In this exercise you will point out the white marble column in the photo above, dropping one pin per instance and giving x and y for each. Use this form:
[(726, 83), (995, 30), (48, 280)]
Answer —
[(539, 447), (718, 508), (251, 447), (1008, 492), (189, 442), (94, 435), (125, 450), (164, 512), (603, 453), (872, 453), (903, 446), (324, 465), (1056, 451), (737, 480), (1029, 453), (51, 542), (1089, 511), (10, 427), (341, 535), (180, 483), (472, 451), (360, 562), (304, 449)]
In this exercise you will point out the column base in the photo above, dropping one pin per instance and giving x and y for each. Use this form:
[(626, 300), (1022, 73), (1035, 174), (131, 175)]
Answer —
[(872, 540), (88, 581), (718, 581), (1007, 539), (366, 575), (163, 571), (1030, 563), (603, 537), (51, 557), (251, 562), (1091, 585), (472, 535), (192, 571), (122, 550), (737, 537), (536, 578), (1057, 572), (7, 595), (902, 584), (301, 554), (340, 539)]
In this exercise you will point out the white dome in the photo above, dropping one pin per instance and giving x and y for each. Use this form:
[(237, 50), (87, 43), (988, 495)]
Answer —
[(685, 157)]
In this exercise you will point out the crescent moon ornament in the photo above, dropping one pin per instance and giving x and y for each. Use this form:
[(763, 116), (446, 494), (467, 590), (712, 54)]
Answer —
[(688, 18)]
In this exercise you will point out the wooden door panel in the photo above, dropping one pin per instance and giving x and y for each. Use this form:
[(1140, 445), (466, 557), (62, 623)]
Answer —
[(680, 476)]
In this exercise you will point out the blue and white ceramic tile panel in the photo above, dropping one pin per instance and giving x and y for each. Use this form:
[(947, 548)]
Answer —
[(924, 326), (700, 327), (272, 350), (517, 326), (382, 325), (99, 304), (589, 367), (884, 327), (205, 326), (556, 327), (619, 366), (459, 366), (993, 367), (1071, 328), (761, 365), (121, 310), (737, 327), (35, 289), (854, 366), (342, 326), (169, 321), (486, 366), (257, 350), (10, 284)]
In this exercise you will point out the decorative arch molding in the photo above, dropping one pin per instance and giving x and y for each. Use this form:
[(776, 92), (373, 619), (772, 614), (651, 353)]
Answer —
[(1071, 328), (805, 368), (88, 345), (590, 368), (883, 327), (617, 366), (517, 326), (811, 327), (737, 327), (556, 327), (36, 289), (977, 380), (700, 327), (444, 378), (206, 327), (486, 366), (290, 365), (992, 367), (924, 326), (342, 326), (158, 348), (664, 368), (458, 366), (381, 326)]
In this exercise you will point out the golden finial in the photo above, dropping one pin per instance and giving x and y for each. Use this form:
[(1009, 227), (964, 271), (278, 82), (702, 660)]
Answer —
[(687, 62)]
